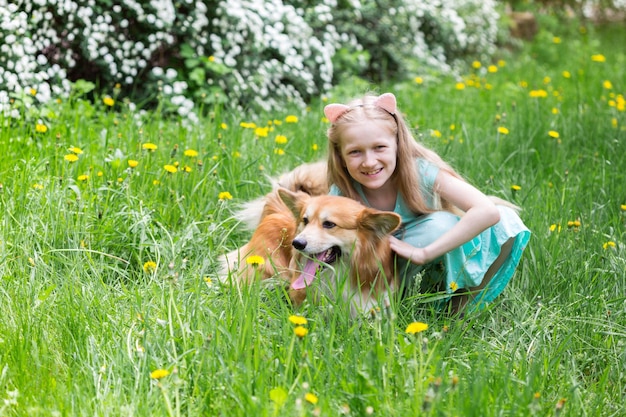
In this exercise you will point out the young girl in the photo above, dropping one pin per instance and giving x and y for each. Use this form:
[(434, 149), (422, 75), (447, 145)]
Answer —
[(374, 159)]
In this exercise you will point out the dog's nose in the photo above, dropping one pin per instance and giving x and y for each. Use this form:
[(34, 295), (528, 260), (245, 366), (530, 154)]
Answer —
[(299, 244)]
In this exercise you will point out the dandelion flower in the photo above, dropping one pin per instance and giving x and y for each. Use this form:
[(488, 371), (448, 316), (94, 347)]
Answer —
[(300, 331), (298, 320), (149, 267), (566, 74), (418, 80), (598, 58), (159, 373), (248, 125), (262, 132), (291, 119), (555, 227), (454, 286), (503, 130), (538, 93), (149, 146), (223, 126), (41, 128), (515, 187), (556, 40), (314, 147), (607, 85), (255, 260), (190, 153), (573, 223), (435, 133), (609, 244), (108, 101), (460, 86), (311, 398), (170, 168), (416, 327), (133, 163), (623, 207), (279, 151), (281, 139), (492, 69), (76, 150), (476, 64), (553, 134), (71, 157), (83, 177), (225, 195)]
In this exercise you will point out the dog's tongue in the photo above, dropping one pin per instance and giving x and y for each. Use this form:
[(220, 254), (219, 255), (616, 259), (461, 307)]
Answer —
[(308, 273)]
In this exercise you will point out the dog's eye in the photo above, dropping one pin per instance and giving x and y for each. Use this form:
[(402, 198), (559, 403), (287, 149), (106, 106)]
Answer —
[(305, 220), (328, 225)]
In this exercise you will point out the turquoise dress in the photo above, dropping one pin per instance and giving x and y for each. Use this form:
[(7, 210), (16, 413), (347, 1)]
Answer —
[(465, 266)]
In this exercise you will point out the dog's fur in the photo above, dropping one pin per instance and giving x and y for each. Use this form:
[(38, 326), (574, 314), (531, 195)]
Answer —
[(301, 237)]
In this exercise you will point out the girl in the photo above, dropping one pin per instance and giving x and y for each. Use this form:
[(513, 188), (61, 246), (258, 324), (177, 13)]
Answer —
[(374, 159)]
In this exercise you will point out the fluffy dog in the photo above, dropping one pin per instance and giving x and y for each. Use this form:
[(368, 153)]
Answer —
[(301, 237)]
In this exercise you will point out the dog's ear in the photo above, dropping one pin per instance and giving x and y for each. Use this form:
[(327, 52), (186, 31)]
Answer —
[(380, 222), (293, 200)]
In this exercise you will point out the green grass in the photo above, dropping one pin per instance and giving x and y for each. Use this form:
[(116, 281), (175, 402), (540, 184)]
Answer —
[(83, 325)]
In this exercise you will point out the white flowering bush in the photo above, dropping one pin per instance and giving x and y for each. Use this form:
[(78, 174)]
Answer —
[(257, 54)]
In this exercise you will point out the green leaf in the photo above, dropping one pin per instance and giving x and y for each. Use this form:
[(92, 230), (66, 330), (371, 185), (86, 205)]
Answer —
[(279, 396)]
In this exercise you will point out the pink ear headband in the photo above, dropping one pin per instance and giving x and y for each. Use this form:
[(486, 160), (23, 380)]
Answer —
[(385, 101)]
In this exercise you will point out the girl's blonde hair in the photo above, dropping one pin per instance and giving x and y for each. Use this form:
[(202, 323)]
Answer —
[(406, 176)]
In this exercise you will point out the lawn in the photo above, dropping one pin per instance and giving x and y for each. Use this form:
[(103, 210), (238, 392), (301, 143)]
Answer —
[(112, 220)]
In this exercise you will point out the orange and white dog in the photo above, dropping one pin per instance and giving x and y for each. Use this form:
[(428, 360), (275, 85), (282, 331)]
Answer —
[(301, 238)]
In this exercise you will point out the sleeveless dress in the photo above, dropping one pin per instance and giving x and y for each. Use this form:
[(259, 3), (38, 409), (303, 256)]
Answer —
[(463, 267)]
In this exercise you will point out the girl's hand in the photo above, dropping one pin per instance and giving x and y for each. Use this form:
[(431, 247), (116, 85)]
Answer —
[(414, 255)]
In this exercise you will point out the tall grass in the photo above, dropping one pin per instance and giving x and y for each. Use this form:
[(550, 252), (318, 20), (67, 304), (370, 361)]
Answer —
[(86, 320)]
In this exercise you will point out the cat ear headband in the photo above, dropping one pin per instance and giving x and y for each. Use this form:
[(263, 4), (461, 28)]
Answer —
[(385, 101)]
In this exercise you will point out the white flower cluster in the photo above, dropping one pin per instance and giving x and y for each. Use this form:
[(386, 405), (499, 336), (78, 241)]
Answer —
[(273, 52)]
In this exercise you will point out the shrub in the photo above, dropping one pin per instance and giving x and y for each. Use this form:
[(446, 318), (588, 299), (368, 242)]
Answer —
[(255, 54)]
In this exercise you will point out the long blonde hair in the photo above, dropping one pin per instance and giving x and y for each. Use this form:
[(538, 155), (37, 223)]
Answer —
[(406, 176)]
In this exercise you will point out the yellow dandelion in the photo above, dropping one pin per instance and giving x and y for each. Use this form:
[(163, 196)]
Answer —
[(281, 139), (538, 93), (41, 128), (255, 260), (300, 331), (149, 146), (149, 267), (556, 40), (190, 153), (515, 187), (460, 86), (503, 130), (187, 168), (476, 64), (170, 168), (623, 207), (573, 223), (598, 58), (607, 85), (261, 132), (225, 195), (416, 327), (33, 92), (108, 101), (159, 373), (38, 186), (298, 320), (566, 74), (291, 119), (501, 63), (418, 80), (311, 398), (553, 134), (83, 177), (609, 244), (76, 150), (133, 163), (454, 286), (71, 157), (248, 125), (223, 126), (555, 110), (314, 147), (492, 69), (279, 151)]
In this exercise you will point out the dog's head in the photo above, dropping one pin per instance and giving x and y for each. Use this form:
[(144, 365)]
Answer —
[(331, 227)]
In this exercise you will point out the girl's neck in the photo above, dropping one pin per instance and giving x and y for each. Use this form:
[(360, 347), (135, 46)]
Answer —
[(383, 198)]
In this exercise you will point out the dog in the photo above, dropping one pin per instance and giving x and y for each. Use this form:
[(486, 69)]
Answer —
[(301, 238)]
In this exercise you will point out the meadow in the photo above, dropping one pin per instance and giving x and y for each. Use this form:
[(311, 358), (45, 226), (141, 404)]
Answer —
[(112, 220)]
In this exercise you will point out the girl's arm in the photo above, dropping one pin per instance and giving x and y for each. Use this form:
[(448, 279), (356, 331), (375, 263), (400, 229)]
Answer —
[(480, 213)]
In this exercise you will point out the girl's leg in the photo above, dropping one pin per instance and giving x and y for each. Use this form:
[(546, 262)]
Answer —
[(463, 296)]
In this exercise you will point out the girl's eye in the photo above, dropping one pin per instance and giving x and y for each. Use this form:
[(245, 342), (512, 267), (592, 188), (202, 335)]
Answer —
[(328, 225)]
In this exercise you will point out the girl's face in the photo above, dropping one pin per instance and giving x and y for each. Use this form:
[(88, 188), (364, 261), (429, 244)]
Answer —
[(370, 153)]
